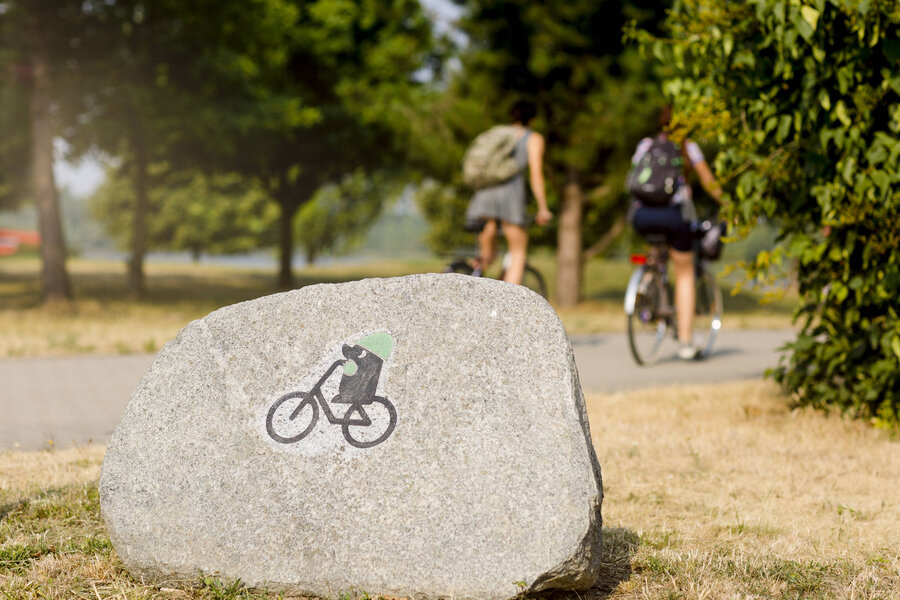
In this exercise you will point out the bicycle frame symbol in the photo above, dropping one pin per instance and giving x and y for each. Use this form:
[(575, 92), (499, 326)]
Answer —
[(286, 420)]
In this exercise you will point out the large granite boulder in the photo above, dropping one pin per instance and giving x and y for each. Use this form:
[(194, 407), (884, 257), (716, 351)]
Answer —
[(423, 436)]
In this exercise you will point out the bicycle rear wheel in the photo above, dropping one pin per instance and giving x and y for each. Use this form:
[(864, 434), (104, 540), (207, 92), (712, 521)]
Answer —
[(647, 328), (459, 266), (533, 280), (377, 427), (708, 311)]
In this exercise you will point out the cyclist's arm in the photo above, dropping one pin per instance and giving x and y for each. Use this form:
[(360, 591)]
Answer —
[(535, 148), (698, 163), (708, 181)]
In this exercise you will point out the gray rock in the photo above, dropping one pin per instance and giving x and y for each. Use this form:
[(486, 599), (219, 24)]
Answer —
[(475, 478)]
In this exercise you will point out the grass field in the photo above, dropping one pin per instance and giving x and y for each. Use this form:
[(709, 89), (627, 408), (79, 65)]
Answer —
[(103, 319), (712, 492)]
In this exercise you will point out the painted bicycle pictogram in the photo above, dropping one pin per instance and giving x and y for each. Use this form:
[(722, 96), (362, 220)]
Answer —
[(294, 415)]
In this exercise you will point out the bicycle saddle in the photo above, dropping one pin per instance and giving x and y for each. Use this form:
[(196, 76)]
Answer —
[(655, 238)]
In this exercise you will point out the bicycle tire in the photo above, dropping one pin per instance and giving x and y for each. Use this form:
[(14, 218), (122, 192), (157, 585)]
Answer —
[(707, 313), (646, 327), (272, 423), (392, 422), (459, 266), (533, 280)]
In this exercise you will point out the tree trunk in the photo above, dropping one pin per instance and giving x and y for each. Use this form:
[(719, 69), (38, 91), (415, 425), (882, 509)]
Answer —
[(54, 277), (568, 252), (289, 205), (139, 221)]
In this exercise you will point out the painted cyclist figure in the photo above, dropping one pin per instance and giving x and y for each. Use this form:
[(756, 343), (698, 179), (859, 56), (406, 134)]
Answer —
[(294, 415), (361, 374), (673, 218)]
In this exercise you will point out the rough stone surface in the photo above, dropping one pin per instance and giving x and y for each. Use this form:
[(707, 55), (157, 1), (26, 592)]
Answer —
[(487, 482)]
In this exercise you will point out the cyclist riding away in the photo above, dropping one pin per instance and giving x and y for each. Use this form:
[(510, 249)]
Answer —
[(494, 165), (662, 204)]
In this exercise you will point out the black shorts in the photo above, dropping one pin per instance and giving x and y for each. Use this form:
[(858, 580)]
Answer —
[(664, 220)]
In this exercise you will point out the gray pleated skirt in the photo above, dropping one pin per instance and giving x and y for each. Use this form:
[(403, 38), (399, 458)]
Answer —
[(505, 202)]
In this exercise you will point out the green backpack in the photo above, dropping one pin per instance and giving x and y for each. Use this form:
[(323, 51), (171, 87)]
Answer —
[(489, 159)]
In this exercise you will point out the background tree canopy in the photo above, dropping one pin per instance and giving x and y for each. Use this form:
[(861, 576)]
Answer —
[(339, 215), (292, 95), (805, 99)]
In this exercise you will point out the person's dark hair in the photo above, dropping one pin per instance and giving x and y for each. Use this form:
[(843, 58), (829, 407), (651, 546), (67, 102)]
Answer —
[(665, 116), (523, 112)]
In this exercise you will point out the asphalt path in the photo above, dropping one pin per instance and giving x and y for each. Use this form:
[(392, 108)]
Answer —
[(79, 400), (605, 363)]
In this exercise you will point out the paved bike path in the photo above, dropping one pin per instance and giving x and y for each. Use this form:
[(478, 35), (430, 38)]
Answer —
[(79, 400), (605, 363)]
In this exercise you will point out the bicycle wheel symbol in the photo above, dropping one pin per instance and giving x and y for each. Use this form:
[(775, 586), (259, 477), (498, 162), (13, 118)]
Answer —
[(293, 416), (370, 431)]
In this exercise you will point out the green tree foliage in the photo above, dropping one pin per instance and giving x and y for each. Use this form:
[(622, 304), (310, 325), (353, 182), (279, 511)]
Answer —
[(596, 100), (190, 211), (181, 78), (294, 94), (805, 99), (338, 216), (353, 66)]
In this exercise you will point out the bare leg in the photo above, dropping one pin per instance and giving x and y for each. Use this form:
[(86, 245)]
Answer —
[(517, 241), (683, 262), (487, 244)]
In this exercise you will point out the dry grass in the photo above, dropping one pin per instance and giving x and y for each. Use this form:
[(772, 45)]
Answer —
[(26, 474), (711, 492), (722, 492), (103, 320)]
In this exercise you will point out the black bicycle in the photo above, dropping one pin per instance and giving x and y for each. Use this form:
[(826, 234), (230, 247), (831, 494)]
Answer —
[(469, 265), (649, 305), (531, 277)]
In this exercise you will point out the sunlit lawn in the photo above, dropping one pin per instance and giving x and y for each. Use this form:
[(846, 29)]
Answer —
[(103, 319)]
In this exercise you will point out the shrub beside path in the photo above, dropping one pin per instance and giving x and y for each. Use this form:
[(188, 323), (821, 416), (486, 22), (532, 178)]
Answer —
[(74, 401)]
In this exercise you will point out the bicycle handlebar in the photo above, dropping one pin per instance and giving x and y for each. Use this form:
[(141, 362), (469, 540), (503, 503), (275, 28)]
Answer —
[(701, 228)]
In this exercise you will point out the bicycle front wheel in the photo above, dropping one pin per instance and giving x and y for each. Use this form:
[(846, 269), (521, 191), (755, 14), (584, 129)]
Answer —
[(646, 326), (533, 280), (292, 417), (708, 312)]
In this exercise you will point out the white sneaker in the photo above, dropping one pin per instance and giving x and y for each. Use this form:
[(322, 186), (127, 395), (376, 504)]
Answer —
[(688, 352)]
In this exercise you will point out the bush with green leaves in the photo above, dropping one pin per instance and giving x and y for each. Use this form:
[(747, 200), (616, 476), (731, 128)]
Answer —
[(804, 97)]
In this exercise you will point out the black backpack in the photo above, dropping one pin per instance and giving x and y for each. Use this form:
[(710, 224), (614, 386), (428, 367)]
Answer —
[(653, 180)]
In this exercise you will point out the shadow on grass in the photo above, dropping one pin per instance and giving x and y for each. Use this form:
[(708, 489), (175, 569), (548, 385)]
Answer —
[(619, 546), (20, 288)]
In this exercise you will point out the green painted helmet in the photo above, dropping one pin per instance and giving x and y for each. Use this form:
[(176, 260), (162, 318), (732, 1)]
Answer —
[(378, 343)]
